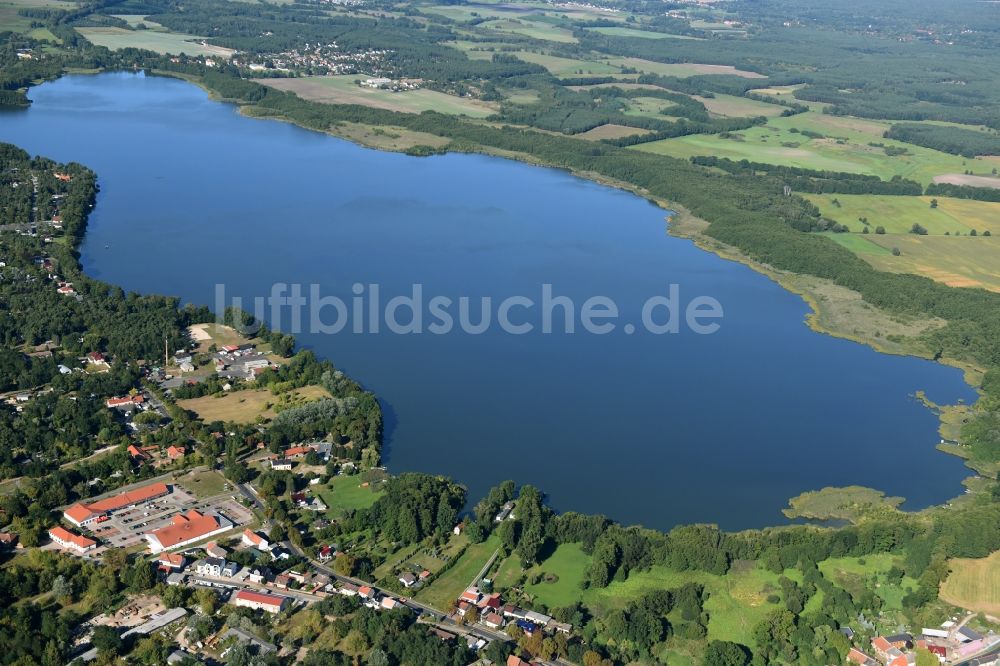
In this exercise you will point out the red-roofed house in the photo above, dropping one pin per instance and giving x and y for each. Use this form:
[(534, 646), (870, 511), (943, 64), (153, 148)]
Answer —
[(856, 656), (126, 401), (67, 539), (514, 660), (272, 603), (493, 621), (471, 595), (171, 561), (881, 646), (255, 540), (490, 601), (185, 529), (81, 515), (135, 453), (175, 452), (97, 358), (297, 451), (365, 592)]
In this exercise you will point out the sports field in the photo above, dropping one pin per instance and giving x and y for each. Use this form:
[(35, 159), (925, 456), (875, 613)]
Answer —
[(343, 90), (153, 40)]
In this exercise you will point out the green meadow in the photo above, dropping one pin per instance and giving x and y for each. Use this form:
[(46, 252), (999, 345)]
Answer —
[(845, 145)]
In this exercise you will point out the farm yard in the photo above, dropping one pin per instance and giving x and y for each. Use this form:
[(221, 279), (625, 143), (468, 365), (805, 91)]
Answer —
[(342, 89)]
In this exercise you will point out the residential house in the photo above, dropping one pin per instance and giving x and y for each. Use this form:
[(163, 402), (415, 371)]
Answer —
[(493, 620), (281, 464), (282, 581), (215, 550), (171, 562), (8, 540), (348, 589), (408, 579), (856, 656), (210, 566), (96, 358), (175, 452), (255, 540), (506, 511), (259, 575)]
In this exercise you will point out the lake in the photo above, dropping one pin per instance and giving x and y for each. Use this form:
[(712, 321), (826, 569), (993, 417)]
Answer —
[(646, 428)]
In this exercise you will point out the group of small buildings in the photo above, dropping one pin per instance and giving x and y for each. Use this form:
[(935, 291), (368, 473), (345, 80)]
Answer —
[(951, 643), (493, 613)]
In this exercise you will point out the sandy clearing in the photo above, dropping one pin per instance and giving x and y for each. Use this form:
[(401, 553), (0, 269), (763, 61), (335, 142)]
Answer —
[(971, 181)]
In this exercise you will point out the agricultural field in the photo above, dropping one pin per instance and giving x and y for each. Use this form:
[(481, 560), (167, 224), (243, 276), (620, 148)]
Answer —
[(682, 69), (343, 90), (445, 589), (650, 107), (898, 214), (845, 145), (11, 20), (572, 67), (638, 34), (347, 493), (974, 584), (250, 405), (957, 262), (532, 29), (731, 106), (610, 131), (153, 40)]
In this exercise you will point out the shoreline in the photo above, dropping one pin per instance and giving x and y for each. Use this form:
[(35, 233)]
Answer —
[(680, 223)]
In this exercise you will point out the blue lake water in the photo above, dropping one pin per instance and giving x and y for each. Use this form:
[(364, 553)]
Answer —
[(651, 429)]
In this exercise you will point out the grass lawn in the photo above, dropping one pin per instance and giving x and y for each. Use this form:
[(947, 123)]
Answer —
[(345, 493), (851, 573), (152, 40), (444, 590), (342, 89), (564, 570), (974, 584), (207, 483), (737, 602), (249, 405), (844, 146), (533, 29), (639, 34)]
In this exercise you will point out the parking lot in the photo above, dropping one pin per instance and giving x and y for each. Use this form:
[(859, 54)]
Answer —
[(126, 528)]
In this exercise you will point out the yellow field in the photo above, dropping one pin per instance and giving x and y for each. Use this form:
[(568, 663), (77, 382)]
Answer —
[(898, 214), (955, 261), (974, 584), (247, 406)]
